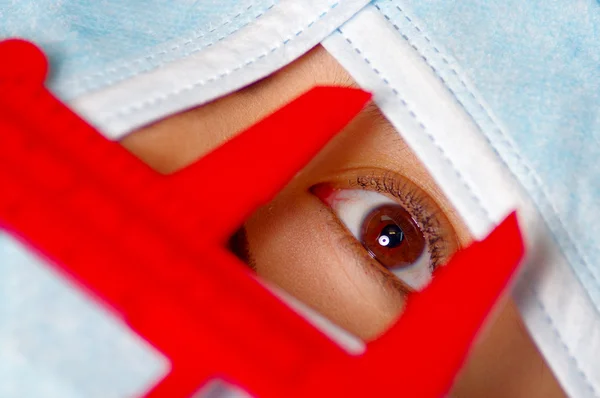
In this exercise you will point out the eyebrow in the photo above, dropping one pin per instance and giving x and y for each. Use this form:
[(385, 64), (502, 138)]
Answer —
[(381, 123), (373, 111)]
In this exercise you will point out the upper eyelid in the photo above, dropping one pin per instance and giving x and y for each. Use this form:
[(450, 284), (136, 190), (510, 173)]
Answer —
[(413, 197), (434, 195), (385, 183)]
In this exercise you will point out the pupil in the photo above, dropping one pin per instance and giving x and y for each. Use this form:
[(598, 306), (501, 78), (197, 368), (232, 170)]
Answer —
[(391, 236)]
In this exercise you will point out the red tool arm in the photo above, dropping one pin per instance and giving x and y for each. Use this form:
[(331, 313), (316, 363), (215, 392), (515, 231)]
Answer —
[(152, 249)]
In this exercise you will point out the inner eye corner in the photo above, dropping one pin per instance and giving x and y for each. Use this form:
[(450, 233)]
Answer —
[(321, 190)]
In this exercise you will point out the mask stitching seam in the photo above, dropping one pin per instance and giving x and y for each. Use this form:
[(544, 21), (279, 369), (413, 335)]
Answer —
[(499, 132), (547, 316), (563, 343), (444, 155), (158, 99), (88, 80)]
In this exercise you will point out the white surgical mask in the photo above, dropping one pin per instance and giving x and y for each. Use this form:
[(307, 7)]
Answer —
[(499, 100)]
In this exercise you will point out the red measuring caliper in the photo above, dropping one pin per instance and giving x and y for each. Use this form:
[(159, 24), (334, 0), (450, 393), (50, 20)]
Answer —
[(68, 193)]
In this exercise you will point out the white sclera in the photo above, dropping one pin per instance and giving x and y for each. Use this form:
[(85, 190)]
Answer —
[(352, 207)]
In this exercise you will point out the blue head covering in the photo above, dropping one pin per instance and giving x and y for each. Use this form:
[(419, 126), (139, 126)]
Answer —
[(498, 98)]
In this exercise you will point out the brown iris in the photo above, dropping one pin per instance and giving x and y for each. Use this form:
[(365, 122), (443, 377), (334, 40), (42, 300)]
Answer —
[(392, 236)]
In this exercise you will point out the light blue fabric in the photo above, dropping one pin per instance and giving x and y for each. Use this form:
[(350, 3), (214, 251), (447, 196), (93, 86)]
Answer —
[(94, 43), (537, 64), (56, 342)]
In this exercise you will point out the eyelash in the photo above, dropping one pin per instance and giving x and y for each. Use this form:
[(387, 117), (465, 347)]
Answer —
[(416, 203)]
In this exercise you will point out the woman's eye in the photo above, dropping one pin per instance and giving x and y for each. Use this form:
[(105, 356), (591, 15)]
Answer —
[(393, 237), (404, 238)]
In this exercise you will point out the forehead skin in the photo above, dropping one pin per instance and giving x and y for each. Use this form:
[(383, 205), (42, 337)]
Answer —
[(287, 237)]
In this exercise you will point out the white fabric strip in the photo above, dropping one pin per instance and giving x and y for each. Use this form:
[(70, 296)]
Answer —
[(282, 34), (346, 340), (554, 305), (419, 105)]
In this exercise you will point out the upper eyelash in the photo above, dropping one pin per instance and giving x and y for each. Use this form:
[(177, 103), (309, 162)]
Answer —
[(415, 202)]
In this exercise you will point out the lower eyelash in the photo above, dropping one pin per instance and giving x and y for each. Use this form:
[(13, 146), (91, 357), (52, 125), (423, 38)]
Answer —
[(347, 240), (417, 203)]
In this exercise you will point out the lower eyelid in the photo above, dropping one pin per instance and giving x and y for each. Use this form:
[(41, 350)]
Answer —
[(356, 250), (371, 265)]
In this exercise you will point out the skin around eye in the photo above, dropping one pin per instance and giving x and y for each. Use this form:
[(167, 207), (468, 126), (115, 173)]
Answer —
[(396, 222)]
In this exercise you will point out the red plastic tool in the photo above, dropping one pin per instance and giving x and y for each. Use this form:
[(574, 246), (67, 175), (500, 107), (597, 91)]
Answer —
[(152, 248)]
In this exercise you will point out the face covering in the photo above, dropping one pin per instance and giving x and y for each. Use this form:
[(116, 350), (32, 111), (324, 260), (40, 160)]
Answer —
[(121, 66), (512, 84)]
